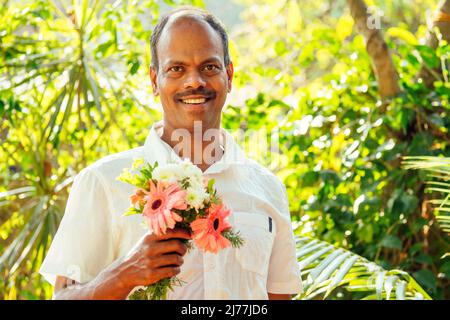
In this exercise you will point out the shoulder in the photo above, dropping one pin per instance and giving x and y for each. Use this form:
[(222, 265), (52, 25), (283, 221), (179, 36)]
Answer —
[(263, 173), (108, 168), (264, 179)]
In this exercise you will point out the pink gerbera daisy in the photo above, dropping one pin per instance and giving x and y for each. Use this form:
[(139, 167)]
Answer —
[(207, 232), (160, 202)]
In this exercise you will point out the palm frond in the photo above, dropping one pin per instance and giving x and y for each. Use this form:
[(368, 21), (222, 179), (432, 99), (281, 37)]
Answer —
[(436, 168), (324, 268)]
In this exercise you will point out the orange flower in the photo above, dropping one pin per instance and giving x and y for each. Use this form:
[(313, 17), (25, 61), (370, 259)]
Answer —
[(159, 204), (207, 232), (138, 197)]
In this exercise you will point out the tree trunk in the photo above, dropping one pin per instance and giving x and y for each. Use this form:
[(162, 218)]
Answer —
[(377, 49), (442, 22)]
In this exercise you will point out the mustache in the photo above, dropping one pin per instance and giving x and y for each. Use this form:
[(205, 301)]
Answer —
[(200, 92)]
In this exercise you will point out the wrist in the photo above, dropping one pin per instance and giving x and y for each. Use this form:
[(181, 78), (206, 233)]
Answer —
[(111, 284), (123, 284)]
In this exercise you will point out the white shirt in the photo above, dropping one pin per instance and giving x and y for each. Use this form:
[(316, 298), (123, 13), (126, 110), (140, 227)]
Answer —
[(93, 232)]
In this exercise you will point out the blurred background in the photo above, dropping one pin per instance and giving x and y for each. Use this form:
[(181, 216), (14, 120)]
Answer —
[(349, 89)]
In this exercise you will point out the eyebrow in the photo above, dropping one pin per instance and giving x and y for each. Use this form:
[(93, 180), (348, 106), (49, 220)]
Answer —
[(213, 59), (172, 62), (181, 63)]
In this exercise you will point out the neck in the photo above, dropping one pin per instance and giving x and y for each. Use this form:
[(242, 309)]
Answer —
[(202, 145)]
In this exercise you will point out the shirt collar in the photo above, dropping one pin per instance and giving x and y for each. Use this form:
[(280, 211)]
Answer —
[(156, 149)]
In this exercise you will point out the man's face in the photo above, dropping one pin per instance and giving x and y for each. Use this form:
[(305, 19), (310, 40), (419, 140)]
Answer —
[(192, 80)]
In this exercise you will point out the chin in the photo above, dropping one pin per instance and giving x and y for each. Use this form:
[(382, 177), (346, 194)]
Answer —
[(197, 122)]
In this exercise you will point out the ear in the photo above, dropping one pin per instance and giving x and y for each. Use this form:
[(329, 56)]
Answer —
[(230, 72), (153, 78)]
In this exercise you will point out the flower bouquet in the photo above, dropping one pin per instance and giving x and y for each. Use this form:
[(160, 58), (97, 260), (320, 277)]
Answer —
[(177, 195)]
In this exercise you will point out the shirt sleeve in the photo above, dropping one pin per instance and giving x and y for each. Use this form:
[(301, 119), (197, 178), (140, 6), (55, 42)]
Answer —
[(284, 274), (82, 246)]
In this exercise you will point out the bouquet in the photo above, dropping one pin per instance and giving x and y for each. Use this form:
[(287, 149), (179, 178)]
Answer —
[(177, 195)]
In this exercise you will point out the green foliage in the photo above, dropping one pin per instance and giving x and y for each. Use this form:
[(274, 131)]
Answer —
[(340, 146), (325, 269), (72, 90), (69, 94), (157, 291), (438, 169), (235, 238)]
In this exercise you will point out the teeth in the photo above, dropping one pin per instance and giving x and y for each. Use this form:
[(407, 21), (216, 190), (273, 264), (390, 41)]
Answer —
[(194, 101)]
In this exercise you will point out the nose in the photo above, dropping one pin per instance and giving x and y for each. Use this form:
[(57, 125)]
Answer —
[(194, 80)]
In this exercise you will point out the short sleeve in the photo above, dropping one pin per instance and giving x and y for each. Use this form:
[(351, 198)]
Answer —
[(82, 246), (284, 274)]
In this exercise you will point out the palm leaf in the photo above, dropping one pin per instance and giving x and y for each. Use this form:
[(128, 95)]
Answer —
[(324, 268), (436, 168)]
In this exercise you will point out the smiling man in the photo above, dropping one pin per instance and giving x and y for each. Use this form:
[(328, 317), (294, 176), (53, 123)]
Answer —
[(98, 253)]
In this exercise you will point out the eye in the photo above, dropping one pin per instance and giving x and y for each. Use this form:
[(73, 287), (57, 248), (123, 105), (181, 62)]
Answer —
[(210, 67), (175, 69)]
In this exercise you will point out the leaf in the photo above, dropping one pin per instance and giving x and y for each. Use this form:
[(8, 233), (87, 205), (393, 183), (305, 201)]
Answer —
[(424, 259), (324, 268), (210, 186), (426, 278), (344, 27), (405, 35), (428, 56), (391, 242), (280, 48), (294, 18), (134, 66), (132, 211)]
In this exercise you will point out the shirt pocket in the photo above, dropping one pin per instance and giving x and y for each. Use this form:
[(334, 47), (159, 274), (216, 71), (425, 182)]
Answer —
[(258, 232)]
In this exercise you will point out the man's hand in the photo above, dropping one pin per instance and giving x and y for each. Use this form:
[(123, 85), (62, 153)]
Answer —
[(152, 259)]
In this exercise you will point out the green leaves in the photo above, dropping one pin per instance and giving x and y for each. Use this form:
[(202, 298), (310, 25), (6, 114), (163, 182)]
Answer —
[(428, 56), (235, 238), (72, 93), (438, 169), (391, 242), (66, 72), (426, 278), (324, 268)]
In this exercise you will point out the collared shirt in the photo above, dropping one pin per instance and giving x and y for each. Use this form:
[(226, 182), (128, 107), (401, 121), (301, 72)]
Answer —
[(94, 232)]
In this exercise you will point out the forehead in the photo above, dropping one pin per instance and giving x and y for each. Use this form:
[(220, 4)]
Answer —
[(189, 39)]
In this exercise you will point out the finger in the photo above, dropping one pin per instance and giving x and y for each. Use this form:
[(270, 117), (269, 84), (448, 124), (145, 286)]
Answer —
[(167, 272), (176, 233), (166, 260), (169, 246)]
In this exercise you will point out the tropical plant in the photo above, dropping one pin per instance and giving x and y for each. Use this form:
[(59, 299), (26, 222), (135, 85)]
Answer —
[(325, 268), (71, 76), (74, 88), (438, 171), (341, 141)]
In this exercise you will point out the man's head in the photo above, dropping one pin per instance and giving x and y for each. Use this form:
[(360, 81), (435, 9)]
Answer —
[(191, 70)]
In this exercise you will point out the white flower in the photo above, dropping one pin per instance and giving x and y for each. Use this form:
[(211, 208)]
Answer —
[(196, 197), (179, 172), (188, 170), (169, 173)]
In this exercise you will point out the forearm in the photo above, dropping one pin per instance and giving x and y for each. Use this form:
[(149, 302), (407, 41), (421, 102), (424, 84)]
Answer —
[(108, 285)]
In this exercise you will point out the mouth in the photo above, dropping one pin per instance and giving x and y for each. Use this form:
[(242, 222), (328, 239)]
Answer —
[(194, 101)]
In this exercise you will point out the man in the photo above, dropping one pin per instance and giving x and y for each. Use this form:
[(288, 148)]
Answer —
[(98, 253)]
